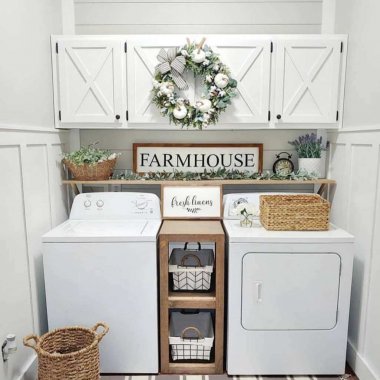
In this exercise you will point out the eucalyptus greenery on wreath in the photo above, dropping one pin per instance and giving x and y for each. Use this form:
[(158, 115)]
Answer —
[(220, 174), (219, 87)]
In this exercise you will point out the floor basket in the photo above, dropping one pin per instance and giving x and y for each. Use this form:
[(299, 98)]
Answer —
[(70, 353), (95, 172), (191, 336), (191, 269), (294, 212)]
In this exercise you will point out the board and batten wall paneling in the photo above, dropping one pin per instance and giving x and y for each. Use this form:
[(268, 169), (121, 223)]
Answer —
[(355, 164), (209, 17), (33, 201)]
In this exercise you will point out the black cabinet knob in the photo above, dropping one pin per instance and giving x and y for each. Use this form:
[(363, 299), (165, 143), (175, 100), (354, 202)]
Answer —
[(278, 117), (117, 117)]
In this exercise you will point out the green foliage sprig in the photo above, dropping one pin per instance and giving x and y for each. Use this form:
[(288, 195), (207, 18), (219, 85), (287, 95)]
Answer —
[(219, 174), (90, 155)]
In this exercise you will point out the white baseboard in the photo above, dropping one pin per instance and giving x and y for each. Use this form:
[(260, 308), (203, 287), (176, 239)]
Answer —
[(30, 372), (359, 364)]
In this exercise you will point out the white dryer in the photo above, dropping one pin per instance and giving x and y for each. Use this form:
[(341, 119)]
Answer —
[(101, 265), (288, 297)]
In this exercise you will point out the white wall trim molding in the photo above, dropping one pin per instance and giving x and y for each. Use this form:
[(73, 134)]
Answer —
[(68, 17), (351, 129), (22, 167), (328, 17), (362, 368), (355, 163), (29, 128)]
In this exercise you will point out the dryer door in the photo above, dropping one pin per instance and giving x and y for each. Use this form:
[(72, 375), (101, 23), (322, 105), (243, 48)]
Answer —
[(290, 291)]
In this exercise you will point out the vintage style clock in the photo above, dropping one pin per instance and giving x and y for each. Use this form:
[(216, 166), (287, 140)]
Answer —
[(283, 165)]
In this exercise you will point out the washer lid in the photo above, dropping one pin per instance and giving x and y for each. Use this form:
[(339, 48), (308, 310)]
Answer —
[(104, 231), (258, 234)]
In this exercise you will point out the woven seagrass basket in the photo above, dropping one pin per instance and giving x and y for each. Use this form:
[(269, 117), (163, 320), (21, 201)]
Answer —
[(70, 353), (87, 172), (294, 212)]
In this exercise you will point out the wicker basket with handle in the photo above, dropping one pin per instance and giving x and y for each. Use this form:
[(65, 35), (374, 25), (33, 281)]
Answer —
[(294, 212), (91, 172), (70, 353)]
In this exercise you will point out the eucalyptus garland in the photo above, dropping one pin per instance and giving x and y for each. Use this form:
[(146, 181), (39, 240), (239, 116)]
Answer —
[(220, 174), (218, 87)]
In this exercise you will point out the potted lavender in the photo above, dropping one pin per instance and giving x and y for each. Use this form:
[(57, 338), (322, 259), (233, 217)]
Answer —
[(310, 150)]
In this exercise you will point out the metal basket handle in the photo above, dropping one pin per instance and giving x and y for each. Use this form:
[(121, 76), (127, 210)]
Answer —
[(193, 328), (185, 257), (104, 332), (29, 338), (199, 245)]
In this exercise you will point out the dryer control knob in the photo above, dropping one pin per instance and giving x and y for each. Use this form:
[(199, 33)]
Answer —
[(87, 203), (100, 203)]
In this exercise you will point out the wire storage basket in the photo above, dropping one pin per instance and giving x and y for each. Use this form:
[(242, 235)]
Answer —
[(300, 212), (191, 269), (191, 336), (91, 172), (70, 353)]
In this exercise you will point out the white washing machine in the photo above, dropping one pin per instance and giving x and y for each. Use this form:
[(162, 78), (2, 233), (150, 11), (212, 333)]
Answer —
[(101, 265), (288, 297)]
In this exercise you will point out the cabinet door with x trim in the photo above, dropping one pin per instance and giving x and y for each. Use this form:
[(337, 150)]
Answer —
[(90, 73), (308, 76), (249, 59)]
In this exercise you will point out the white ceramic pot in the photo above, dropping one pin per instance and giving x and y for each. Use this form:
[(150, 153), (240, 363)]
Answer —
[(316, 165)]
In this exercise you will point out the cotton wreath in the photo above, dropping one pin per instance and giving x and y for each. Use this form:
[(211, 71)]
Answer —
[(218, 87)]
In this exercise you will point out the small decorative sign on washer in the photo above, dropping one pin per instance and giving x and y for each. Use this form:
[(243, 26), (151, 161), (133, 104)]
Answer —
[(196, 158), (191, 202)]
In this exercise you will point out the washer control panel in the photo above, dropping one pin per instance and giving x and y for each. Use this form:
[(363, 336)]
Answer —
[(121, 205)]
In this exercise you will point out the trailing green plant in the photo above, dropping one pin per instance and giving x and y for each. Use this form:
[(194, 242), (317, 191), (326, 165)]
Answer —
[(219, 174), (90, 155), (308, 146)]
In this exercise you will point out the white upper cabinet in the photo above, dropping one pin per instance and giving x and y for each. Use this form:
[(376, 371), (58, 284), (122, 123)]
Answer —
[(90, 75), (142, 60), (307, 79), (283, 81), (248, 57)]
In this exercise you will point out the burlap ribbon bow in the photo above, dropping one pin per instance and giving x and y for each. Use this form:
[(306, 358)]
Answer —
[(169, 62)]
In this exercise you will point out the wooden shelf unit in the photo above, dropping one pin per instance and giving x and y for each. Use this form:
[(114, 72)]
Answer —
[(191, 231)]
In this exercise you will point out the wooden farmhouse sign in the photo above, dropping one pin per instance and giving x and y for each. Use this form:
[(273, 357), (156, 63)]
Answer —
[(191, 202), (196, 157)]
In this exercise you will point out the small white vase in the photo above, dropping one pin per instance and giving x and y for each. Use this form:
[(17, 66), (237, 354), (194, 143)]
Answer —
[(316, 165), (246, 220)]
